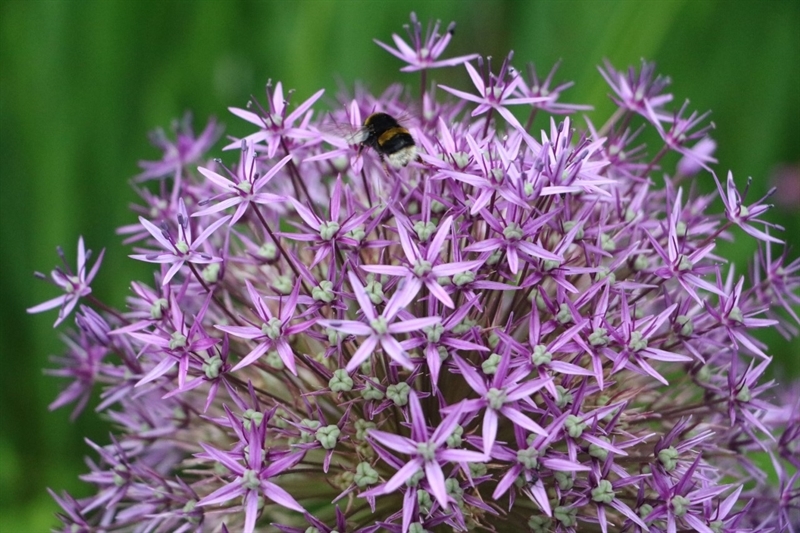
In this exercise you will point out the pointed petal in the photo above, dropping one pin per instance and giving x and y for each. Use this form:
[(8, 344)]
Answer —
[(364, 351), (435, 476), (489, 430), (281, 497)]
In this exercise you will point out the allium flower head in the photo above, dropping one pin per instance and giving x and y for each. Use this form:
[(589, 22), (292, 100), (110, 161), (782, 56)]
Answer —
[(518, 331)]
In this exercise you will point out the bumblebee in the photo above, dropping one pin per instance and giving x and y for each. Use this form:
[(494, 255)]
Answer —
[(388, 138)]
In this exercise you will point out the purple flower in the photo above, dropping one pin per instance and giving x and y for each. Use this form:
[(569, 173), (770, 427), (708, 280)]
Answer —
[(505, 395), (697, 157), (680, 132), (176, 344), (680, 503), (273, 332), (635, 338), (253, 474), (330, 234), (72, 517), (245, 190), (742, 215), (514, 241), (380, 329), (546, 97), (780, 283), (277, 125), (495, 92), (423, 52), (679, 263), (736, 320), (639, 92), (75, 285), (441, 338), (82, 365), (422, 269), (184, 151), (427, 451), (179, 249)]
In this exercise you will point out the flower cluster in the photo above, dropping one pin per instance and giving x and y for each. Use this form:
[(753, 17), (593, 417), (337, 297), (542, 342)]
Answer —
[(513, 332)]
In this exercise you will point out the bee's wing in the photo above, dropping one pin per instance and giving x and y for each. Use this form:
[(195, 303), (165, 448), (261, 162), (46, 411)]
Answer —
[(408, 119), (342, 131), (357, 137)]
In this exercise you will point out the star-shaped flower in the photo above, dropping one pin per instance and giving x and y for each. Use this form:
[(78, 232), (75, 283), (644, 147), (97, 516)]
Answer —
[(75, 285), (428, 451), (379, 330)]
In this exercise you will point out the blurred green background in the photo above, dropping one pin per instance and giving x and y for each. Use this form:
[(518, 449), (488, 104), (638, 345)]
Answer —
[(83, 82)]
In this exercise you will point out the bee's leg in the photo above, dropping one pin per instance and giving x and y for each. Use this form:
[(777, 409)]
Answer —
[(385, 167), (425, 165)]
